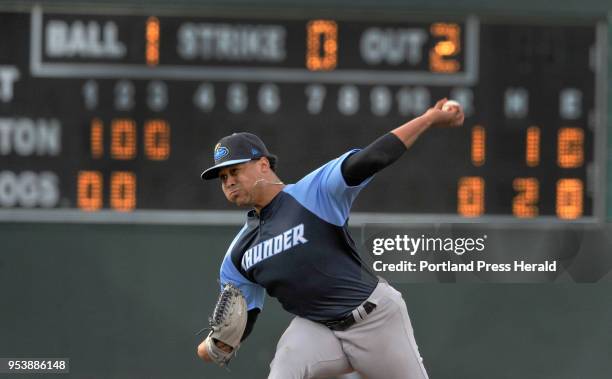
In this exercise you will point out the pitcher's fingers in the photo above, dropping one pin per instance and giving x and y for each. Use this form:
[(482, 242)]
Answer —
[(440, 103)]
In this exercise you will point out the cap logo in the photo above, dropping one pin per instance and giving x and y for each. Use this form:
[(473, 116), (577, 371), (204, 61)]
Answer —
[(220, 152), (254, 152)]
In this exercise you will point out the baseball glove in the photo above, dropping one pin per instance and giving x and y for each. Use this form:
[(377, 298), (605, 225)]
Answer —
[(227, 325)]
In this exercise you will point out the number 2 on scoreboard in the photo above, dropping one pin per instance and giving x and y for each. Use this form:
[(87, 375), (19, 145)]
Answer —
[(524, 204)]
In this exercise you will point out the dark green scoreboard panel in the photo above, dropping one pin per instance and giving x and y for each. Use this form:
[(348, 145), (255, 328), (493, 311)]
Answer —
[(104, 117)]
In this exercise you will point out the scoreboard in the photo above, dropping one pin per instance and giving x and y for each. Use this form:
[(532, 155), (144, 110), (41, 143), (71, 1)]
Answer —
[(112, 117)]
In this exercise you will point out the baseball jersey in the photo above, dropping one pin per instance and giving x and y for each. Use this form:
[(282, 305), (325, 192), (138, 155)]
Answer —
[(298, 249)]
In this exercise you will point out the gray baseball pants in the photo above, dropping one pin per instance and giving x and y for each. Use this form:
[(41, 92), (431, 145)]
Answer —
[(380, 345)]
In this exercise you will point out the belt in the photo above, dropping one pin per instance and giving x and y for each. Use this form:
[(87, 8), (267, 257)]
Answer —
[(348, 321)]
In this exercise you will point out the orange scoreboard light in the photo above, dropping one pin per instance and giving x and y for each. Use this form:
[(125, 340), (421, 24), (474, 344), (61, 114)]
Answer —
[(109, 117)]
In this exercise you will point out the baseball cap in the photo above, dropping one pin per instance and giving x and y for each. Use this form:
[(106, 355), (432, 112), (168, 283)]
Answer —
[(235, 149)]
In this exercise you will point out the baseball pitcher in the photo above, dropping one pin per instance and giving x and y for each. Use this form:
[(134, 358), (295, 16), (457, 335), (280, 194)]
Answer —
[(295, 247)]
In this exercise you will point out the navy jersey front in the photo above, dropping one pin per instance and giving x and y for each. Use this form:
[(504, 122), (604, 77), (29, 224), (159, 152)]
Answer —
[(298, 249)]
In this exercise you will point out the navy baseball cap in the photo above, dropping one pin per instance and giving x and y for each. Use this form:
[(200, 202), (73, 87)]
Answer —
[(235, 149)]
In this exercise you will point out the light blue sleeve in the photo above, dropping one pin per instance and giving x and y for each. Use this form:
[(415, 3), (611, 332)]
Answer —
[(325, 193), (253, 293)]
